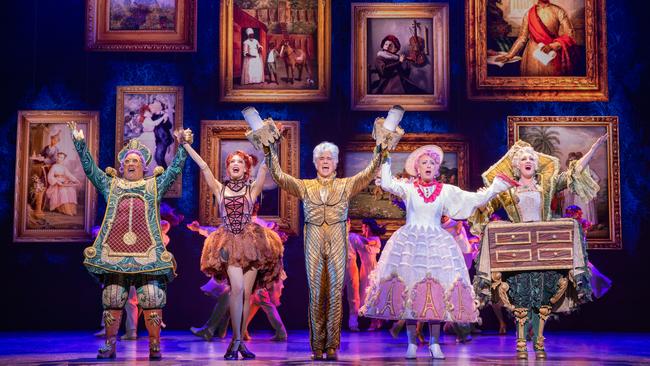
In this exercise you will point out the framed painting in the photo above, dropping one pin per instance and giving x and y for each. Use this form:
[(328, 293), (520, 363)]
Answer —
[(400, 55), (141, 25), (374, 203), (150, 114), (275, 50), (53, 201), (220, 138), (568, 138), (536, 50)]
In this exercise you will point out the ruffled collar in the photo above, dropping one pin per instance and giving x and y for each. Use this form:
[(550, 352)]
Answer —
[(388, 55), (421, 187)]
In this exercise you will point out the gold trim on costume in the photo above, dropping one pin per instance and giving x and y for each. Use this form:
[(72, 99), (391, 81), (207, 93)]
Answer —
[(166, 256), (90, 252)]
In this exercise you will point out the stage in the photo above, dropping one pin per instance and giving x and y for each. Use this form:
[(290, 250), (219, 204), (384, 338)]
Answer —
[(182, 348)]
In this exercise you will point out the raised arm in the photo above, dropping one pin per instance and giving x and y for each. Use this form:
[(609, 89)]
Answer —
[(577, 178), (293, 186), (97, 177), (214, 185), (258, 184), (461, 204), (167, 178), (584, 161), (389, 184), (361, 180)]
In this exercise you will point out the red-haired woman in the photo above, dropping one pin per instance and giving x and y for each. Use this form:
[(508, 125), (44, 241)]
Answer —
[(240, 250)]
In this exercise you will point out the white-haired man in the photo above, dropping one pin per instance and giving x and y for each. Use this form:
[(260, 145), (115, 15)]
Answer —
[(325, 204), (252, 71)]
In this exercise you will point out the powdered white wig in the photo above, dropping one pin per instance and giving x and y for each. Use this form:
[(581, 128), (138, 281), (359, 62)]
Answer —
[(518, 154), (324, 147)]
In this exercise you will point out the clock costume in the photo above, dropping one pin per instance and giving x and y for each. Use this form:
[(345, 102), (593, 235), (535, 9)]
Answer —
[(129, 249)]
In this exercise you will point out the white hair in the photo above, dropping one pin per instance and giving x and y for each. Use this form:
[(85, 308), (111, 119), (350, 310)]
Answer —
[(517, 155), (324, 147)]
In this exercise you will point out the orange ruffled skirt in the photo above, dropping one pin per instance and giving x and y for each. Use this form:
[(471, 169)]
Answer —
[(255, 247)]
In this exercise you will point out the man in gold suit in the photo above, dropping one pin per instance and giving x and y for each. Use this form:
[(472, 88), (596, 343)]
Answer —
[(325, 203)]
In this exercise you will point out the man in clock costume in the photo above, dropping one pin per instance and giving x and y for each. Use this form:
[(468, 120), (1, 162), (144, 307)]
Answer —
[(129, 250)]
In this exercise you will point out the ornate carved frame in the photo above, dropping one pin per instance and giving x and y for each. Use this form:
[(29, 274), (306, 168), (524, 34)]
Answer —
[(437, 101), (615, 240), (592, 87), (410, 142), (212, 135), (99, 38), (176, 188), (230, 94), (21, 233)]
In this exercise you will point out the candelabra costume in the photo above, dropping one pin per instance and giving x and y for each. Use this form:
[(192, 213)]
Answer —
[(421, 274), (534, 294), (325, 206), (129, 249)]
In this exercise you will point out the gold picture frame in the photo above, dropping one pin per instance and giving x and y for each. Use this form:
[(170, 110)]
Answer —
[(276, 27), (562, 135), (218, 138), (371, 22), (143, 108), (54, 202), (358, 152), (587, 80), (168, 26)]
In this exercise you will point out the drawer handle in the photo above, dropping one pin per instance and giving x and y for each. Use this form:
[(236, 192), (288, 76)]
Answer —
[(555, 254), (513, 255), (512, 236), (554, 236)]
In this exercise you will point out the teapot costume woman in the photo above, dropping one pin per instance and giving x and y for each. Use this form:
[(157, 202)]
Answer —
[(245, 253), (421, 273), (534, 294)]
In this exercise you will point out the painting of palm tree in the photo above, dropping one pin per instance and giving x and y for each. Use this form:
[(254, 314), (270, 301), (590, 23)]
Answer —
[(543, 139), (564, 137)]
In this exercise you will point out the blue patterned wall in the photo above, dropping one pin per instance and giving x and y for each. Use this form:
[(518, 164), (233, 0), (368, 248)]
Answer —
[(47, 68)]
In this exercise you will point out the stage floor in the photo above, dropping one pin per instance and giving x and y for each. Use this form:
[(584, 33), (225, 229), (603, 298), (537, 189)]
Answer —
[(363, 349)]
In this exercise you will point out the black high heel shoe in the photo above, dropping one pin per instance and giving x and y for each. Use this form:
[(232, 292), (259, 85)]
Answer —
[(231, 352), (245, 353)]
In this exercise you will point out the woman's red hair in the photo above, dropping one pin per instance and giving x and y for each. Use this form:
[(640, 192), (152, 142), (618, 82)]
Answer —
[(249, 160)]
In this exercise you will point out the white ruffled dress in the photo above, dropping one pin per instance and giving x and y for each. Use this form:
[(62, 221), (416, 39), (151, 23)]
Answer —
[(421, 273)]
